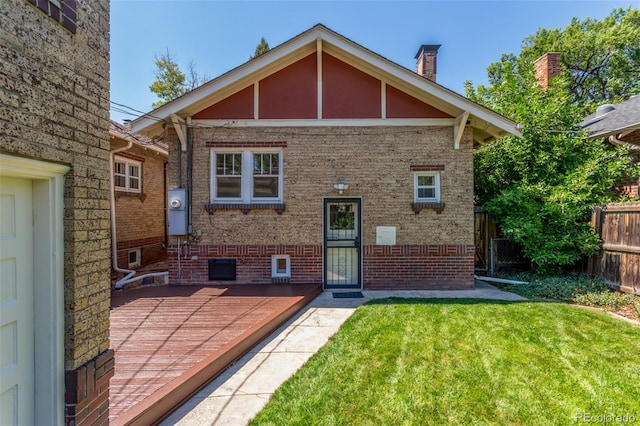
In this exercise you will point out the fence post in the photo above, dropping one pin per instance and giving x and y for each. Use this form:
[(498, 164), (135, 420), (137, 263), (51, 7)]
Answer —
[(492, 256)]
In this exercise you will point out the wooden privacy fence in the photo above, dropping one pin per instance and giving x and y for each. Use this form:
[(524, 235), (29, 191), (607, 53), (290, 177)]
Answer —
[(618, 263)]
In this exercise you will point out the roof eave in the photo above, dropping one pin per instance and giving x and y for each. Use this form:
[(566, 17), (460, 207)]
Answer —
[(480, 116)]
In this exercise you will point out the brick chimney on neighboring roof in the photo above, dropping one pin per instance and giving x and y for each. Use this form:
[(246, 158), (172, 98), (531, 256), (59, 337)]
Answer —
[(426, 60), (547, 67)]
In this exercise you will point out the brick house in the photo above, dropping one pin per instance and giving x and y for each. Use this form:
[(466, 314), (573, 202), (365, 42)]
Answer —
[(323, 162), (618, 124), (54, 212), (139, 179)]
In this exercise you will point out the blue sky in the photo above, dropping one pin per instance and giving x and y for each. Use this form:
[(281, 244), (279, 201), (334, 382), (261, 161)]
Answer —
[(220, 35)]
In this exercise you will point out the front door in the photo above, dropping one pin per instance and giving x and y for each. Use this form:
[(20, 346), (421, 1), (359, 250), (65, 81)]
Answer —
[(342, 243)]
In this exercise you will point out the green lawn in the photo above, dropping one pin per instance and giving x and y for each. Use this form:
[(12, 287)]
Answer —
[(452, 361)]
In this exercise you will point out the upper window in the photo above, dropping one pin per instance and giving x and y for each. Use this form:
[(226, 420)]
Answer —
[(427, 187), (246, 176), (127, 175), (62, 11)]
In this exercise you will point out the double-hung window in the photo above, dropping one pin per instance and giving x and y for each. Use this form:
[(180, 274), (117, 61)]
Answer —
[(127, 175), (427, 187), (246, 177), (229, 175)]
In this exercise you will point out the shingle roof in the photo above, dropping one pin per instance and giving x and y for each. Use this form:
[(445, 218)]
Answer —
[(140, 139), (610, 119)]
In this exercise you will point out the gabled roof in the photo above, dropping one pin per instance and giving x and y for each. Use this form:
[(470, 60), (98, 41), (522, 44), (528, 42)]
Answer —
[(487, 124), (612, 119), (118, 130)]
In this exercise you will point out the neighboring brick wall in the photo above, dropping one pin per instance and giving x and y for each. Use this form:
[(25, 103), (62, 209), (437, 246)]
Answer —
[(140, 218), (633, 137), (152, 250), (54, 106), (374, 161)]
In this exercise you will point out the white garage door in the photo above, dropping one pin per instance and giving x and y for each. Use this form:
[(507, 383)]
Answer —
[(16, 303)]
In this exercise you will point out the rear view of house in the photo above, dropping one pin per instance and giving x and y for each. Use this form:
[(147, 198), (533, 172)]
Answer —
[(323, 162)]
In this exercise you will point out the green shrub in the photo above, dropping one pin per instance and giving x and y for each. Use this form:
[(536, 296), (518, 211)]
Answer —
[(610, 300), (571, 288), (560, 287)]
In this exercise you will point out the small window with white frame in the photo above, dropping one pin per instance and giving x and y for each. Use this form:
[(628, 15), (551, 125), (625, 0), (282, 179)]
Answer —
[(280, 266), (427, 187), (135, 258), (127, 175), (246, 177)]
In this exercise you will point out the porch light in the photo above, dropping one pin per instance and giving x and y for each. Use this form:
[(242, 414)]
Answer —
[(341, 186)]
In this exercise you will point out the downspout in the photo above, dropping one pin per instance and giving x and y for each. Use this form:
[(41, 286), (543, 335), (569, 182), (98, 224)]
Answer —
[(613, 139), (165, 189), (189, 175), (114, 245)]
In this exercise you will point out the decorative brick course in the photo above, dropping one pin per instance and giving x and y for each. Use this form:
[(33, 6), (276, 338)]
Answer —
[(385, 267), (426, 167), (246, 144)]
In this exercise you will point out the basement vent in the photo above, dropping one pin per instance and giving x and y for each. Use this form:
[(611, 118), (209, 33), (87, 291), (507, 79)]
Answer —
[(222, 269)]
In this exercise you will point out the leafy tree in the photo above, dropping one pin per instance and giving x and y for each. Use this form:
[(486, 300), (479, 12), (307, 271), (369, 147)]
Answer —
[(262, 47), (601, 59), (540, 189), (170, 81)]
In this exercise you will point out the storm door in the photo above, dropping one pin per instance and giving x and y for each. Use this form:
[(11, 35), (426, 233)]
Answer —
[(342, 243)]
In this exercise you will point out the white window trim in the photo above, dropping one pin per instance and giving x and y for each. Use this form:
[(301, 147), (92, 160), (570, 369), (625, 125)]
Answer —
[(246, 188), (435, 199), (274, 266), (138, 261), (127, 162)]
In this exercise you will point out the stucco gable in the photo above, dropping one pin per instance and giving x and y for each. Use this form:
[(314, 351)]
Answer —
[(289, 83)]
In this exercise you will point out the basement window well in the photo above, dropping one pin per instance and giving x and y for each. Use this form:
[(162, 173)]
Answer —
[(135, 258), (280, 266)]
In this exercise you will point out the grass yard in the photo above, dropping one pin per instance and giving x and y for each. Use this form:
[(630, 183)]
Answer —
[(452, 361)]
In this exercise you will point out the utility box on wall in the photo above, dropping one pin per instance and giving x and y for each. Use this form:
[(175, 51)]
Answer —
[(177, 211)]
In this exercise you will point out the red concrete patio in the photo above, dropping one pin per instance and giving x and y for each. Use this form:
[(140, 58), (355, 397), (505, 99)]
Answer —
[(170, 341)]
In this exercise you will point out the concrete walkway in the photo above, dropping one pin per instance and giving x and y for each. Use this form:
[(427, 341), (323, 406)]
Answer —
[(236, 396)]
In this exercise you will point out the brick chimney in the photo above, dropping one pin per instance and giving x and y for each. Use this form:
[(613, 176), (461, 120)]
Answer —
[(426, 60), (546, 67)]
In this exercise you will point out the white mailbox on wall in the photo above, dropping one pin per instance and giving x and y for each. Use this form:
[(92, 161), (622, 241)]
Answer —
[(177, 211)]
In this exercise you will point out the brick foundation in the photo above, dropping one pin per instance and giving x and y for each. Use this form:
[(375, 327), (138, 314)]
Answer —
[(87, 391), (385, 267), (419, 267)]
